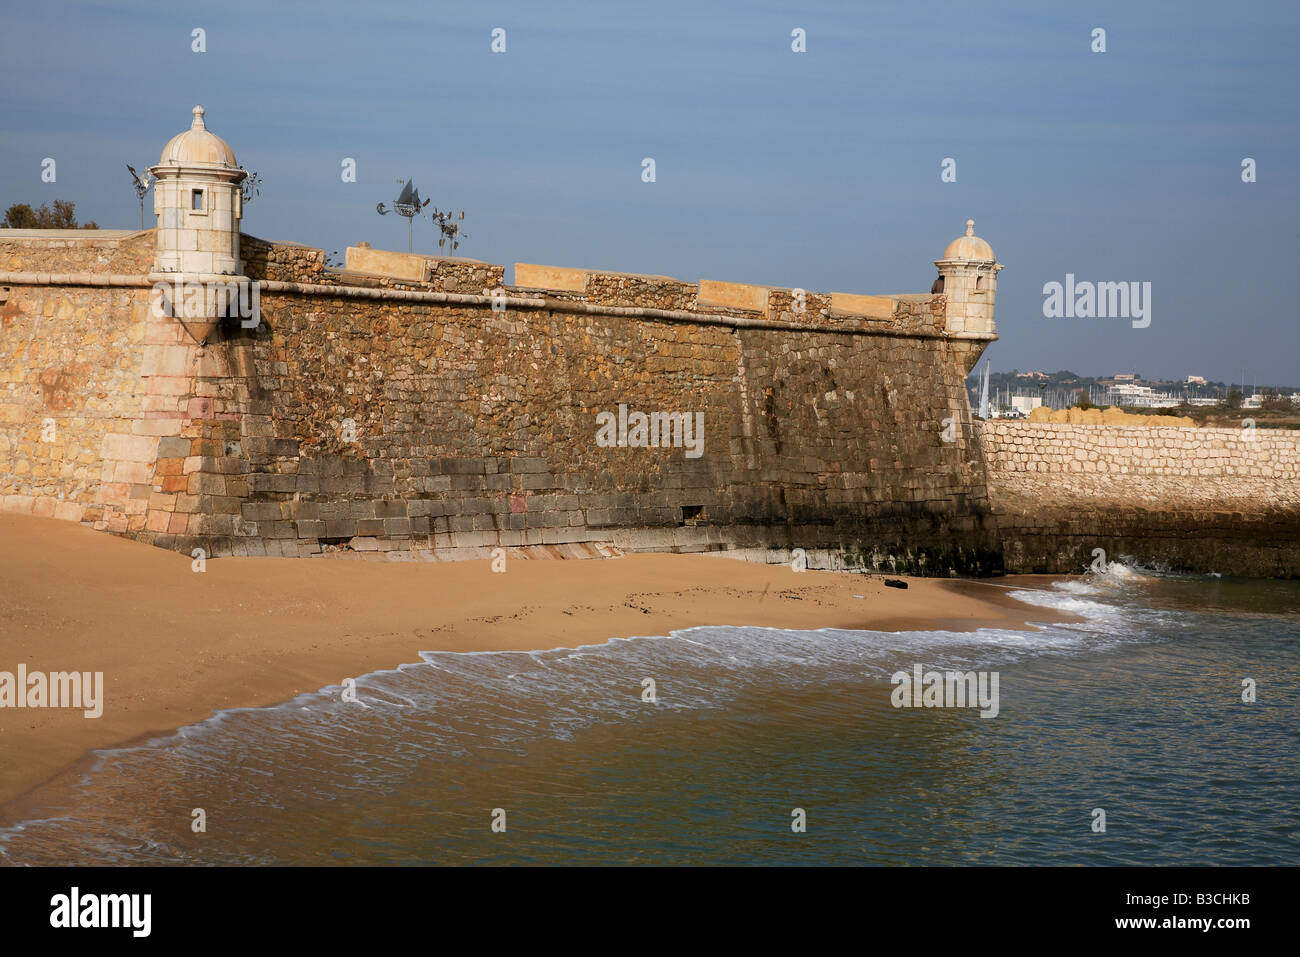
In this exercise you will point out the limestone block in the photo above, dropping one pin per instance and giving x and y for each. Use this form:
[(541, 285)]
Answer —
[(873, 307), (733, 295), (550, 277)]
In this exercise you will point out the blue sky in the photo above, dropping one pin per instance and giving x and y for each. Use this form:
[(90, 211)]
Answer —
[(819, 169)]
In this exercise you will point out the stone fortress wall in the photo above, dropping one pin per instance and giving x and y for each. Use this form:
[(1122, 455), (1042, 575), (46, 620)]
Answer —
[(412, 406), (476, 428), (1205, 499), (473, 428)]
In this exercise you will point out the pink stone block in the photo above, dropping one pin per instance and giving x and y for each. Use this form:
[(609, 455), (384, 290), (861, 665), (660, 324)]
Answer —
[(201, 407), (159, 403), (165, 333), (113, 493), (21, 504), (168, 385), (133, 473), (69, 511), (167, 360), (130, 448), (157, 427)]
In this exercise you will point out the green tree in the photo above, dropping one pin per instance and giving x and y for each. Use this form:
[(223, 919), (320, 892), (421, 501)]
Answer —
[(1082, 401), (1233, 400), (63, 215)]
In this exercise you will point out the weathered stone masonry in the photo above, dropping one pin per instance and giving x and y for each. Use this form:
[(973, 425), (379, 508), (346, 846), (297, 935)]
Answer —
[(1225, 500), (475, 428), (417, 407)]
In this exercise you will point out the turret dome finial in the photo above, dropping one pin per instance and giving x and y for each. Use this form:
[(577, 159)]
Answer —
[(968, 248), (198, 119)]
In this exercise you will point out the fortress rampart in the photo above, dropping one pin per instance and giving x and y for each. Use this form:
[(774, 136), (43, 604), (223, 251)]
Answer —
[(417, 407), (369, 412), (1225, 500), (475, 428)]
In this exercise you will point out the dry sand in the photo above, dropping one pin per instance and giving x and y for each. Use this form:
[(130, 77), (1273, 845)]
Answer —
[(175, 645)]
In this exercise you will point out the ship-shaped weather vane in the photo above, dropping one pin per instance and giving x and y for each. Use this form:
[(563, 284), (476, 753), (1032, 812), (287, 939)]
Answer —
[(407, 204)]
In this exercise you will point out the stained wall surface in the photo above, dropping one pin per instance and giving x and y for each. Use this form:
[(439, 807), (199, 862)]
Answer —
[(350, 420)]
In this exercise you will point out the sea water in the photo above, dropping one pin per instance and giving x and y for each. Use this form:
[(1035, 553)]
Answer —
[(751, 746)]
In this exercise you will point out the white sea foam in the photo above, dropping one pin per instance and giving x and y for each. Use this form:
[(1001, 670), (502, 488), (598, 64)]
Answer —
[(452, 705)]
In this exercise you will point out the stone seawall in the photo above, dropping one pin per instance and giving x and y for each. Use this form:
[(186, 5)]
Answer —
[(359, 422), (385, 415), (477, 429), (1225, 500), (76, 438)]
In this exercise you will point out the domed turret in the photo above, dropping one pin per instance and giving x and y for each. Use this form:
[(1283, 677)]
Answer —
[(199, 205), (968, 276), (198, 146), (969, 247)]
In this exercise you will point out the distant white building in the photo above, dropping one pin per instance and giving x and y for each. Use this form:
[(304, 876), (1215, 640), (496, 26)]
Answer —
[(1252, 401), (1025, 403), (1140, 396), (1196, 380), (1203, 400)]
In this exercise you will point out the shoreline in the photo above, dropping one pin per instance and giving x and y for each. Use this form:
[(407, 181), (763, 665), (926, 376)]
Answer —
[(176, 646)]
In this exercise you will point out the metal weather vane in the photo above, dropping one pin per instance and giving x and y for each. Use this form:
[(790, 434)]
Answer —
[(251, 186), (408, 205), (449, 224), (141, 182)]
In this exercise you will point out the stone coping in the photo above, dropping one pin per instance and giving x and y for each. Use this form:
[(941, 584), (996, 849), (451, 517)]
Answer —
[(516, 302), (62, 234)]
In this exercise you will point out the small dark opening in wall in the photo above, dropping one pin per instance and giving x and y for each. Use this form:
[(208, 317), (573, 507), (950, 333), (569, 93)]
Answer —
[(692, 514), (196, 199), (339, 540)]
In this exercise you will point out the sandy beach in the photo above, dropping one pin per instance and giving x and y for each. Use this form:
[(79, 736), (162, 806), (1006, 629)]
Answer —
[(175, 645)]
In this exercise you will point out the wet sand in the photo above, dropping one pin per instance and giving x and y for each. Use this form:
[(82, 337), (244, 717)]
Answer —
[(175, 645)]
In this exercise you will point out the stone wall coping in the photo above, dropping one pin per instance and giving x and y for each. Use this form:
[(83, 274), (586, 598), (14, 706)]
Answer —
[(278, 242), (458, 259), (76, 279), (110, 235), (598, 272), (1141, 430), (532, 302)]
